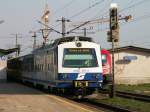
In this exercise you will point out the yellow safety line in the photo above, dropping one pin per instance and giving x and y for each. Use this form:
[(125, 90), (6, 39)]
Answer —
[(70, 104)]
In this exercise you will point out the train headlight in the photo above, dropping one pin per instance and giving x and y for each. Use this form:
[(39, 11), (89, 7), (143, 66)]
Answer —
[(78, 44), (65, 76), (62, 76)]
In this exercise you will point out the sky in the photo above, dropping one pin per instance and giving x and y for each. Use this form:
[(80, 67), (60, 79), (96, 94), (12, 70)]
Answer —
[(21, 16)]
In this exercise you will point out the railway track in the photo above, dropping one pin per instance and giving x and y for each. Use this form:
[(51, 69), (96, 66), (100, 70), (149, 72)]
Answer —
[(140, 97), (135, 96), (104, 106), (92, 104), (95, 104)]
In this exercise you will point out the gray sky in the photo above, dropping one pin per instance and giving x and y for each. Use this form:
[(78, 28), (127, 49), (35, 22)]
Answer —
[(21, 16)]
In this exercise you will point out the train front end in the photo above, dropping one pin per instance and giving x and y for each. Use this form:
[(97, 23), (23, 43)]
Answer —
[(107, 66), (79, 67)]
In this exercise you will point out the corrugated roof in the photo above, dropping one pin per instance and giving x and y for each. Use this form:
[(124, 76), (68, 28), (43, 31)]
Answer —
[(8, 51), (134, 48)]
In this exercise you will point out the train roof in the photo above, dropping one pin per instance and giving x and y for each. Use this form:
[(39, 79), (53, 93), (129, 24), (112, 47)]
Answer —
[(72, 38), (63, 40), (104, 51)]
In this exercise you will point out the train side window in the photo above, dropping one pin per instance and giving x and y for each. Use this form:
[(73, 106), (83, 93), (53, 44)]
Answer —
[(48, 66), (38, 67), (42, 67)]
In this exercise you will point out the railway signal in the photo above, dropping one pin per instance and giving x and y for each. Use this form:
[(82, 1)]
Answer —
[(64, 20), (113, 34), (113, 28)]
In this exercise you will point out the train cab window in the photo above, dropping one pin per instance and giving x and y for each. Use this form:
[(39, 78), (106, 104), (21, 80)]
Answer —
[(79, 58), (104, 59)]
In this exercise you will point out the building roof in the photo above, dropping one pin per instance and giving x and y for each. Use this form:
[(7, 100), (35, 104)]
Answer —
[(133, 48), (7, 51)]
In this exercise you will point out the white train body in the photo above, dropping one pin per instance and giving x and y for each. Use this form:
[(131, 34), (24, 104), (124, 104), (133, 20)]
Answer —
[(73, 64)]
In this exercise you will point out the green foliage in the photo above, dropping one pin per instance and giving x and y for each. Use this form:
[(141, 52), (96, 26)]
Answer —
[(131, 104), (142, 89)]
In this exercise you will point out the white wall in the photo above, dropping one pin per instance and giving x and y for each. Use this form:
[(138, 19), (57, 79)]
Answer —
[(133, 72)]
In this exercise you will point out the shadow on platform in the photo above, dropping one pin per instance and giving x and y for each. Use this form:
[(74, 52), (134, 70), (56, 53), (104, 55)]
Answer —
[(13, 88)]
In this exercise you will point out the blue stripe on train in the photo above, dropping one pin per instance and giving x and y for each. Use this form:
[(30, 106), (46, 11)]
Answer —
[(96, 77), (75, 76)]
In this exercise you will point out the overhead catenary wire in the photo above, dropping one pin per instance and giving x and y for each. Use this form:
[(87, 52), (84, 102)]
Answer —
[(134, 5), (139, 18), (86, 9), (129, 7), (95, 4), (102, 14), (64, 7), (82, 11)]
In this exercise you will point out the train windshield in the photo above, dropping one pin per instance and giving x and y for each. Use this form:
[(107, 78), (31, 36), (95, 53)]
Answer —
[(79, 58), (104, 59)]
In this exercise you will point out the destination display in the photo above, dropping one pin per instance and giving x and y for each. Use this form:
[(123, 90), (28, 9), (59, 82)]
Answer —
[(85, 50)]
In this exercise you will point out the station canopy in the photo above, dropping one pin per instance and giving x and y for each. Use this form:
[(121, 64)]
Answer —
[(7, 51)]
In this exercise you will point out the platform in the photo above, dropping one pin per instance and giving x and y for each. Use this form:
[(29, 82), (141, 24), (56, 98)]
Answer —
[(19, 98)]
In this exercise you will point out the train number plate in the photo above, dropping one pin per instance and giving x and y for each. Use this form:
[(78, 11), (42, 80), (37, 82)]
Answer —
[(80, 84)]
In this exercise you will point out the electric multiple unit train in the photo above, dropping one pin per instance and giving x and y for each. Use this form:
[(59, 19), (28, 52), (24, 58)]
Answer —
[(71, 64), (107, 66)]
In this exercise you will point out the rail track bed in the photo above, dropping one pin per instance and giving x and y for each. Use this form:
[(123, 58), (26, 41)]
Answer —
[(104, 106), (96, 104), (135, 96)]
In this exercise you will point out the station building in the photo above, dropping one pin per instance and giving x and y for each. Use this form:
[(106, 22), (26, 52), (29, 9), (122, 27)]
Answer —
[(3, 62), (3, 65), (132, 65)]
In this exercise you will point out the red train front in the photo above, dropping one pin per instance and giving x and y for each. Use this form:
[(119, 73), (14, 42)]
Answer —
[(107, 66)]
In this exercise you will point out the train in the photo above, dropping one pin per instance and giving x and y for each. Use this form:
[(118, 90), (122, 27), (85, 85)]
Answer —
[(106, 66), (70, 64)]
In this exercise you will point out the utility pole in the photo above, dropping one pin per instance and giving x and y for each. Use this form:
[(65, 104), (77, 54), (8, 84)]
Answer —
[(17, 45), (34, 43), (84, 29), (63, 20), (34, 37)]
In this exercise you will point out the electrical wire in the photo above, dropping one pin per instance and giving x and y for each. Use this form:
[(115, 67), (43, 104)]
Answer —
[(140, 18), (62, 8), (86, 9), (134, 5), (105, 12), (129, 7), (65, 6)]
